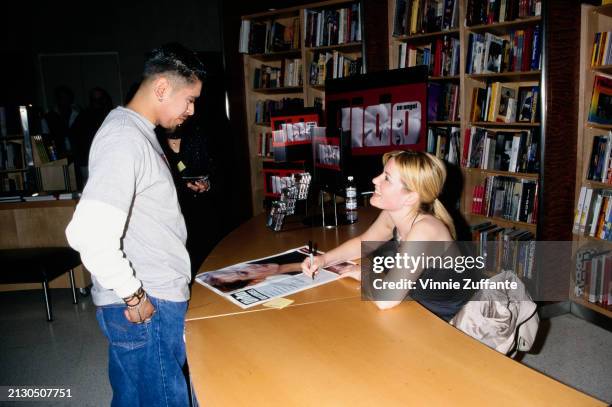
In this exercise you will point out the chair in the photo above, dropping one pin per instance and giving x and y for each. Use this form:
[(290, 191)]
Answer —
[(39, 265)]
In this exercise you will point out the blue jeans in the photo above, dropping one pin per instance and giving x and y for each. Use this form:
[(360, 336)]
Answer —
[(145, 361)]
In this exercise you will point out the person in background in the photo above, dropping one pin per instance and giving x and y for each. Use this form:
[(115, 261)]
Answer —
[(131, 235), (192, 170), (57, 123), (407, 193), (85, 127)]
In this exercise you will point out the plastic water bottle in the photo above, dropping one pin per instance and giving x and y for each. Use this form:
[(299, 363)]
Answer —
[(351, 200)]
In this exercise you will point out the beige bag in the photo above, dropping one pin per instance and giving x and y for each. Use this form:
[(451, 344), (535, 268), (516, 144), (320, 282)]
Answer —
[(506, 321)]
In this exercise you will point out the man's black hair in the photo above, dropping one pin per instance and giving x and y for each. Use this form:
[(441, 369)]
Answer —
[(176, 59)]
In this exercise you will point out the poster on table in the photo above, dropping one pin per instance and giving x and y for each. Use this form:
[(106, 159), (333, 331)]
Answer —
[(255, 282)]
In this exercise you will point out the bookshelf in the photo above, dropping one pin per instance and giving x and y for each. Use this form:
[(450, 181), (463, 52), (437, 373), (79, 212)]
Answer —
[(27, 161), (455, 27), (583, 283), (15, 150), (312, 52)]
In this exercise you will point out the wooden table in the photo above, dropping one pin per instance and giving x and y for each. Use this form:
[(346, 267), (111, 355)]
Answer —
[(329, 348), (39, 224)]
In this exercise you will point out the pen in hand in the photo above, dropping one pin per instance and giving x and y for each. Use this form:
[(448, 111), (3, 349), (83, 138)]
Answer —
[(315, 252), (311, 255)]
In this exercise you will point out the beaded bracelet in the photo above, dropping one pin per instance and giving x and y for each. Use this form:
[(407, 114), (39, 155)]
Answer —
[(139, 294)]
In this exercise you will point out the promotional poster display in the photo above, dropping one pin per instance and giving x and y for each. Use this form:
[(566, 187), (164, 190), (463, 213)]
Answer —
[(257, 281), (372, 114)]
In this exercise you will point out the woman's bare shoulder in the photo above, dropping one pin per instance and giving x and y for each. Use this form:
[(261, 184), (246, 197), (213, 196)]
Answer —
[(429, 228)]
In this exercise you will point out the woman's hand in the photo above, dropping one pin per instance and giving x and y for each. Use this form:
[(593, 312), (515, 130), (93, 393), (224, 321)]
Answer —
[(199, 186), (353, 271), (311, 269)]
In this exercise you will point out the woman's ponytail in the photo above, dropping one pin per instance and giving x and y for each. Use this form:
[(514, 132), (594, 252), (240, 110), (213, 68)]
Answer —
[(440, 212)]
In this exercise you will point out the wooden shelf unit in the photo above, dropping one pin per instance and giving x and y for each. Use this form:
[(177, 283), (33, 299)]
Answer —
[(307, 92), (593, 20), (473, 176)]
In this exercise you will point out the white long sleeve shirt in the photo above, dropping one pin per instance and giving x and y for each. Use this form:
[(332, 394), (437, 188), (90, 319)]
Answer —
[(128, 225)]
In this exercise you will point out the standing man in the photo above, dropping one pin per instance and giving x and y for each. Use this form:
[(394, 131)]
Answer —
[(131, 235)]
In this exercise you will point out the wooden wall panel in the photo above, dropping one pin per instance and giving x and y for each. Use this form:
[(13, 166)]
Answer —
[(559, 166)]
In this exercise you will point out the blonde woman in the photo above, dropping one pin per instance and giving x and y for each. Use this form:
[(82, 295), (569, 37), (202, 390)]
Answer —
[(407, 193)]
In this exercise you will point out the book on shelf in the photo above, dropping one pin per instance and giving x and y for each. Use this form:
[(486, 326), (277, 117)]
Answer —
[(509, 198), (516, 51), (505, 248), (291, 71), (289, 74), (10, 198), (443, 101), (593, 214), (330, 27), (264, 144), (39, 149), (501, 150), (600, 110), (425, 16), (601, 54), (263, 37), (599, 163), (593, 278), (440, 56), (69, 196), (505, 102), (527, 105), (264, 109), (11, 155), (40, 197), (494, 11), (333, 65), (493, 53), (443, 142)]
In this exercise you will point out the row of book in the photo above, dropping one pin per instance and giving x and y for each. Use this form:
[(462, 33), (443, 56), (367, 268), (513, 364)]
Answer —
[(505, 248), (501, 150), (593, 214), (264, 109), (509, 198), (291, 71), (263, 37), (601, 54), (289, 74), (505, 102), (600, 110), (40, 197), (519, 50), (494, 11), (11, 155), (264, 144), (441, 56), (593, 281), (599, 164), (333, 26), (443, 101), (332, 65), (13, 181), (443, 142), (420, 16)]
